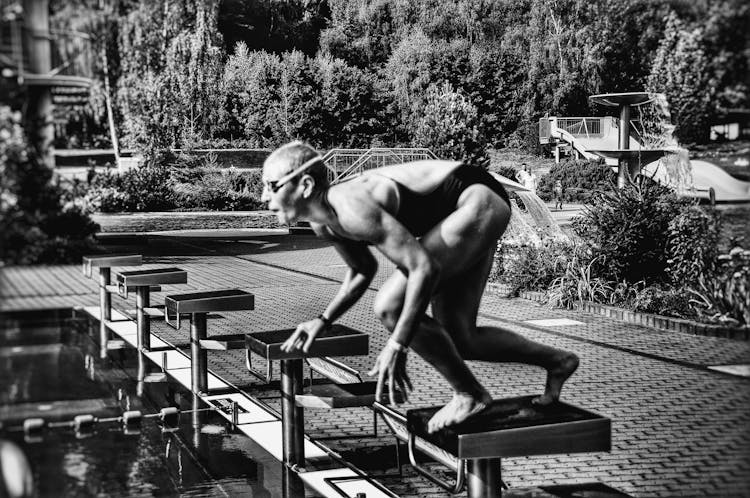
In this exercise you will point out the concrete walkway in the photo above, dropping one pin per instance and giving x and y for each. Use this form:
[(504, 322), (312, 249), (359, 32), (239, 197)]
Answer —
[(680, 428)]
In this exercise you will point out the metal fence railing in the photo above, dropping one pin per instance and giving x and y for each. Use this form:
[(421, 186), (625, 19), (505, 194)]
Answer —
[(581, 127), (343, 163)]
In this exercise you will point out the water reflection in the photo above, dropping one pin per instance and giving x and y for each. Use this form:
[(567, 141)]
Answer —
[(199, 456)]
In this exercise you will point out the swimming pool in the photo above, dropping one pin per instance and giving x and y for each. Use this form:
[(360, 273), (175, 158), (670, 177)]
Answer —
[(50, 369)]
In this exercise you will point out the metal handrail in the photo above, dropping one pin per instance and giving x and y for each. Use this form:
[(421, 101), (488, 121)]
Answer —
[(581, 126), (361, 157)]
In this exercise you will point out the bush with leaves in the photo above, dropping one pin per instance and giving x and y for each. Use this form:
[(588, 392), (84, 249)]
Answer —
[(663, 300), (692, 245), (724, 296), (140, 189), (221, 190), (37, 224), (578, 281), (531, 267), (581, 180), (448, 125), (629, 231)]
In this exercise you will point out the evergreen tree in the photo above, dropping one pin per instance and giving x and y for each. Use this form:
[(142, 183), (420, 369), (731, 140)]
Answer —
[(681, 71)]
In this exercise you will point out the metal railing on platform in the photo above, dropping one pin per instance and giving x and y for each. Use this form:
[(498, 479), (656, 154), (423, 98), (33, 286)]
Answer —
[(343, 163), (581, 127)]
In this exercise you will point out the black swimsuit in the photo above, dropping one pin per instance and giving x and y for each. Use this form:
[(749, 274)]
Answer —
[(421, 212)]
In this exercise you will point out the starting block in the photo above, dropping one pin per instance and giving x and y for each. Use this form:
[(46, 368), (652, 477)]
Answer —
[(198, 305), (105, 262), (142, 281), (337, 340), (509, 427)]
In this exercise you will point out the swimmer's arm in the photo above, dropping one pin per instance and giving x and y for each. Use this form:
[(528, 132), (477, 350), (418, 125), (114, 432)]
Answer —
[(362, 267)]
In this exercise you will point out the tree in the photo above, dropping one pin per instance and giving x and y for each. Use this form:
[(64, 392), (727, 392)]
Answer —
[(448, 124), (681, 71), (171, 59)]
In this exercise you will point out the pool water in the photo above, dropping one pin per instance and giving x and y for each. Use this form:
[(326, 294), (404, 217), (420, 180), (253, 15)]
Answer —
[(50, 368)]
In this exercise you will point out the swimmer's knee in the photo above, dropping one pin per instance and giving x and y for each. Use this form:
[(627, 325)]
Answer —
[(386, 312)]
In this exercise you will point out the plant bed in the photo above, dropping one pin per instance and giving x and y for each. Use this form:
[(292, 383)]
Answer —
[(635, 317), (665, 322), (185, 220)]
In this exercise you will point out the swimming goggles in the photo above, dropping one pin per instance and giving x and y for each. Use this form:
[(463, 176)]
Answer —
[(275, 185)]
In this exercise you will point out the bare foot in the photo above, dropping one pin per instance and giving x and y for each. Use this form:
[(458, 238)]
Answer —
[(458, 409), (556, 377)]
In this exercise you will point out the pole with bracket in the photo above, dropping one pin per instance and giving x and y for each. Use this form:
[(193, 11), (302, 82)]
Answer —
[(198, 355)]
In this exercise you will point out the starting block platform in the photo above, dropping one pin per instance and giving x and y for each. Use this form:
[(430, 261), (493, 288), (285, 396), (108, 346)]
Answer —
[(250, 416), (513, 427)]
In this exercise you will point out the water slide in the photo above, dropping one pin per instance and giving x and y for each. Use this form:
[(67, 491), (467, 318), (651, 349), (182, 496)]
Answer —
[(708, 175), (576, 144), (705, 174)]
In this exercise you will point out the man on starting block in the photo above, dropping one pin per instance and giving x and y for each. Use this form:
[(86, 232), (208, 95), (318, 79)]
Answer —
[(439, 222)]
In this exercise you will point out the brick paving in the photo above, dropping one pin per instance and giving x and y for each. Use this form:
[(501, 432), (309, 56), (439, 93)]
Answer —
[(678, 429)]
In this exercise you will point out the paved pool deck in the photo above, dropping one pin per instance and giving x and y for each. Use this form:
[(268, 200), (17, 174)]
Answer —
[(680, 422)]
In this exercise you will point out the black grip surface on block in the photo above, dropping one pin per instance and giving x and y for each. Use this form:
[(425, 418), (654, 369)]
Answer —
[(337, 340), (517, 427)]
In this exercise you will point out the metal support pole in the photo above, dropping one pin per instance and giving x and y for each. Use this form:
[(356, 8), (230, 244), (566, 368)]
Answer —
[(197, 419), (198, 355), (483, 479), (623, 142), (142, 366), (142, 298), (105, 310), (291, 484), (292, 416)]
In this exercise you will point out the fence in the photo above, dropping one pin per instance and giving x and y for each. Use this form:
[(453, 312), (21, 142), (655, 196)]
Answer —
[(343, 163)]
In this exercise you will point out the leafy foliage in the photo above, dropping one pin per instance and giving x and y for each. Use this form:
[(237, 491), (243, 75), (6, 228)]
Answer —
[(174, 65), (680, 70), (139, 189), (448, 125), (725, 295), (692, 246), (582, 180), (37, 225), (531, 267), (220, 190), (629, 230), (578, 282)]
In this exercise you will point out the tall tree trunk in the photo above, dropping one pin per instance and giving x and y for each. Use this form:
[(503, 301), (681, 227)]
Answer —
[(108, 104)]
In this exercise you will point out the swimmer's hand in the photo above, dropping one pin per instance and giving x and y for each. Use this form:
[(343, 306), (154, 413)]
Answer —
[(303, 336), (392, 362)]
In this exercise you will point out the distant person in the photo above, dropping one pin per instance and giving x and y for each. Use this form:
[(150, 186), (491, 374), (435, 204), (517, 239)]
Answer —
[(558, 190), (526, 178), (439, 222)]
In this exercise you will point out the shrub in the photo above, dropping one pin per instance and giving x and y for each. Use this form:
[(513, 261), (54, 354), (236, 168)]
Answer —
[(530, 267), (223, 190), (629, 229), (141, 189), (667, 300), (38, 224), (582, 180), (448, 124), (725, 295), (692, 246), (578, 282)]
